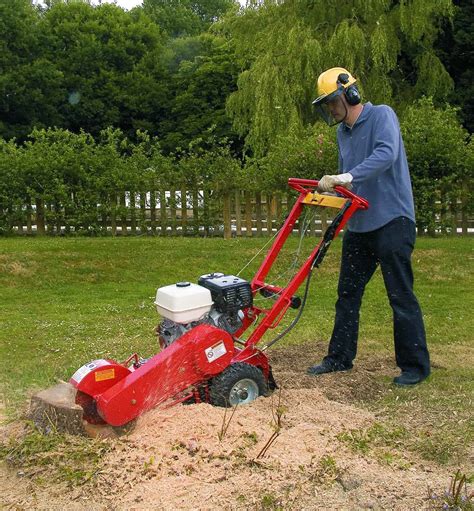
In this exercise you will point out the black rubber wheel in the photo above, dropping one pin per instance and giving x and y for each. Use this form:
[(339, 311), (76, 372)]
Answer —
[(240, 383)]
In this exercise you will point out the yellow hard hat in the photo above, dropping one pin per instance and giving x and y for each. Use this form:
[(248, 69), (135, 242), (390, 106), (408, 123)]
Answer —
[(332, 80), (331, 84)]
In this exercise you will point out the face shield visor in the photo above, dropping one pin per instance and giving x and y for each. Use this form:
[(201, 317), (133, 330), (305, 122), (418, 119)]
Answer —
[(331, 107)]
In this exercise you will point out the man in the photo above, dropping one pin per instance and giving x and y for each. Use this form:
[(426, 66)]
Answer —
[(372, 160)]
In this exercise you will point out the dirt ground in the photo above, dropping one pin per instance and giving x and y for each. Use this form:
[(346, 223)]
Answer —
[(181, 457)]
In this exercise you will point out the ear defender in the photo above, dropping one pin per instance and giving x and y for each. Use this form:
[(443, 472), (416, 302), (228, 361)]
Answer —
[(351, 93)]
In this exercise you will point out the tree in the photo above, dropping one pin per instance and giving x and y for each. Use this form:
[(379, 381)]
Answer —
[(183, 18), (456, 50), (437, 151), (112, 66), (200, 85), (30, 85), (288, 44)]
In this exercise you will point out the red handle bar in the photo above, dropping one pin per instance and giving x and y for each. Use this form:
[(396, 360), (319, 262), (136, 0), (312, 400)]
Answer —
[(306, 185)]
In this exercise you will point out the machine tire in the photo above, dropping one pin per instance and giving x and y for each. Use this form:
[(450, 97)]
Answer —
[(242, 378)]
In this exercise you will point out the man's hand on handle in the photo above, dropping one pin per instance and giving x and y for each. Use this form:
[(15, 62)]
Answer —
[(327, 183)]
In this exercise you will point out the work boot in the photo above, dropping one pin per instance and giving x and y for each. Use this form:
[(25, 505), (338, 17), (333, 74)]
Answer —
[(325, 367), (407, 379)]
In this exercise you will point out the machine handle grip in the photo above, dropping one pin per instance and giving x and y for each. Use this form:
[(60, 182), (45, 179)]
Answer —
[(306, 185)]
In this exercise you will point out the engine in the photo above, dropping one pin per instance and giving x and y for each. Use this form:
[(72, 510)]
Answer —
[(217, 299)]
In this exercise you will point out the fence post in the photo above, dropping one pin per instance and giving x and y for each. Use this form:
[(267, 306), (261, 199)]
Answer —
[(184, 211), (453, 209), (70, 213), (270, 211), (153, 212), (57, 213), (312, 226), (206, 216), (196, 211), (238, 214), (40, 227), (113, 213), (123, 205), (324, 220), (133, 213), (163, 216), (173, 210), (143, 226), (227, 217), (20, 220), (279, 209), (49, 224), (442, 212), (29, 229), (258, 212), (288, 205), (248, 214), (464, 199)]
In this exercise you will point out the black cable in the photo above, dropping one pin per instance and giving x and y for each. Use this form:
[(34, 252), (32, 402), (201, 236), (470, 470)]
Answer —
[(297, 318), (327, 239)]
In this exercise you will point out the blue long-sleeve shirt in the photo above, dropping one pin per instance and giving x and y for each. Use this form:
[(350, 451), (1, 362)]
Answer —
[(373, 152)]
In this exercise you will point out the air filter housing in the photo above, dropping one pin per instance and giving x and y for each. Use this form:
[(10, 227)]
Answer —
[(183, 302)]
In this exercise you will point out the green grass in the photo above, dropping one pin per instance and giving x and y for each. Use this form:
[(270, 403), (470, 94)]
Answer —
[(67, 458), (66, 301)]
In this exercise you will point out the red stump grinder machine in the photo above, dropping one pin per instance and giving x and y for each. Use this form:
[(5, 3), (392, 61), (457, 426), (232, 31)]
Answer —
[(208, 336)]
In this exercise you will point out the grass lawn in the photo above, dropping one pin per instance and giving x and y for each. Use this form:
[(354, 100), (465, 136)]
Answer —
[(65, 302)]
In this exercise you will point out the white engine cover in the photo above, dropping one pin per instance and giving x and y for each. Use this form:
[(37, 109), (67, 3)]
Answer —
[(183, 302)]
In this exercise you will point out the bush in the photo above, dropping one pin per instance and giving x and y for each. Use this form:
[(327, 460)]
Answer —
[(12, 188), (77, 182), (304, 153), (80, 183), (437, 150)]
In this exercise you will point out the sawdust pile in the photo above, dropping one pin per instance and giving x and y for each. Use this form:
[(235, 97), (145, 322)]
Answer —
[(195, 457)]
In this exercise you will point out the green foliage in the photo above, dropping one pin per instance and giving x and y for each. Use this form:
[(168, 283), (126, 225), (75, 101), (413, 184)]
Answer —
[(29, 83), (438, 154), (160, 84), (203, 76), (454, 46), (80, 178), (270, 502), (181, 18), (12, 187), (307, 153), (77, 180), (78, 66), (288, 44), (110, 62)]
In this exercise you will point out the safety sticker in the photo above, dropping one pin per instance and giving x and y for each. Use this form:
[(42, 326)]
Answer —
[(83, 371), (106, 374), (216, 351)]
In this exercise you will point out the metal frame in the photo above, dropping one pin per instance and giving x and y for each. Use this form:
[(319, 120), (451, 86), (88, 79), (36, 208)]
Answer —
[(348, 205)]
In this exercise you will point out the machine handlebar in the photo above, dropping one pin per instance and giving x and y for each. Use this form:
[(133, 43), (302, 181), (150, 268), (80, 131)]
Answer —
[(308, 185)]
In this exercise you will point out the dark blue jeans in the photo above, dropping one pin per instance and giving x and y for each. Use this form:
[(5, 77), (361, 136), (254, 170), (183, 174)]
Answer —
[(390, 246)]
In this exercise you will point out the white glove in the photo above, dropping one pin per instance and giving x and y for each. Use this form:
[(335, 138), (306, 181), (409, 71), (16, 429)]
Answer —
[(327, 183)]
